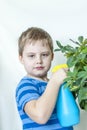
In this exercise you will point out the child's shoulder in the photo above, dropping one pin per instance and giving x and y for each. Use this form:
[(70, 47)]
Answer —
[(29, 81)]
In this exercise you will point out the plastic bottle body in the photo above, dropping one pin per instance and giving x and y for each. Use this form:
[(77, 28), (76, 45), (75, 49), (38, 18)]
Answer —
[(68, 112)]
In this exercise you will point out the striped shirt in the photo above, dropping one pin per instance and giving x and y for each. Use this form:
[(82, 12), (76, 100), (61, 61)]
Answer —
[(31, 89)]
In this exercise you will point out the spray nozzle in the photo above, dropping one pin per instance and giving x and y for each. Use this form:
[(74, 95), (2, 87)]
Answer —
[(57, 67)]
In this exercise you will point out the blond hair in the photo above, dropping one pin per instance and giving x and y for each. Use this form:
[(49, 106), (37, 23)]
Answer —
[(34, 34)]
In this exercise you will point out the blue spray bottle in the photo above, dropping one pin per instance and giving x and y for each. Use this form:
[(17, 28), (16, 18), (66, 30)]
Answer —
[(68, 112)]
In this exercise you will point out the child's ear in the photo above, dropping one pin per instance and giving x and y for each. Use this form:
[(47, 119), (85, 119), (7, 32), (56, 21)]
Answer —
[(52, 56), (20, 59)]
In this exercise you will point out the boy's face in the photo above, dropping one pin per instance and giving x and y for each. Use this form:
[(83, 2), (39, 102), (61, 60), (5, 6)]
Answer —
[(36, 59)]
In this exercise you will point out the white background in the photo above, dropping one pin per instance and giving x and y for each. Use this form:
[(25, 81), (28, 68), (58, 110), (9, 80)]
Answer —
[(63, 19)]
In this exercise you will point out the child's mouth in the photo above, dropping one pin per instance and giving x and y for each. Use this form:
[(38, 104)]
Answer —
[(39, 68)]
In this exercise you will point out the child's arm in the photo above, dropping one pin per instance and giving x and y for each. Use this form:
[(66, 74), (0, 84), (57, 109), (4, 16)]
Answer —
[(40, 110)]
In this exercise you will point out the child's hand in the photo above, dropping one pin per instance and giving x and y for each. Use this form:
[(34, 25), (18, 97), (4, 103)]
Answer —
[(59, 73), (59, 76)]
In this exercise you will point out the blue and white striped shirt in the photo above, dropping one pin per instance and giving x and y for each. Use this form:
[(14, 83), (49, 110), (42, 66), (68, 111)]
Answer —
[(30, 89)]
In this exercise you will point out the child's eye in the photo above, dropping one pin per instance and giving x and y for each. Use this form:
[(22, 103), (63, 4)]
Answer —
[(31, 56), (45, 54)]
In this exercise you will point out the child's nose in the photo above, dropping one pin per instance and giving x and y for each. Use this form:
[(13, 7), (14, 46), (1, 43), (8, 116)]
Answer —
[(39, 59)]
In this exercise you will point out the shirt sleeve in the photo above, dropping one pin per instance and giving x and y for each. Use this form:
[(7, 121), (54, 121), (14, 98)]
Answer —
[(26, 92)]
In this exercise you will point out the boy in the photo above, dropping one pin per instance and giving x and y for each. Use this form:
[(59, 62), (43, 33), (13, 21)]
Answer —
[(36, 95)]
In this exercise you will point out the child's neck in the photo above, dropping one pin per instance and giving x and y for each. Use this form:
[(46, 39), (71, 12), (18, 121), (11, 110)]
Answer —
[(39, 78)]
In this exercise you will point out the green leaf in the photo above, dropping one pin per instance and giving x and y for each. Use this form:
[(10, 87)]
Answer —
[(85, 41), (83, 79), (69, 48), (74, 88), (85, 106), (59, 44), (57, 49), (82, 98), (85, 68), (80, 39), (81, 74), (84, 50), (71, 62), (82, 95)]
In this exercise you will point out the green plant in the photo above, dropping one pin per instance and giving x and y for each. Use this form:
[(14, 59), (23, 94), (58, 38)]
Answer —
[(77, 62)]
